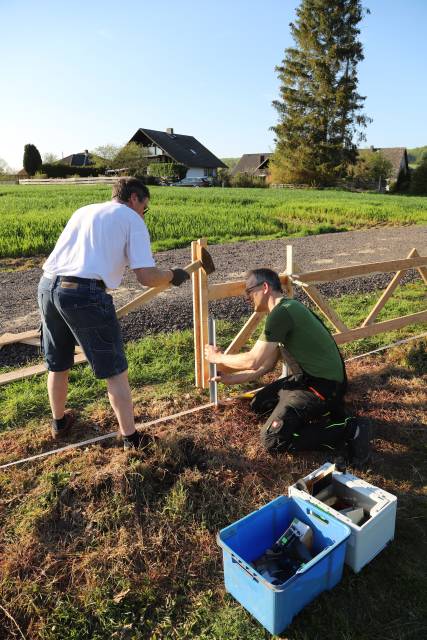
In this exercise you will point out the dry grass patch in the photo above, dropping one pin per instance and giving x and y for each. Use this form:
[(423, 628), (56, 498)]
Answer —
[(99, 543)]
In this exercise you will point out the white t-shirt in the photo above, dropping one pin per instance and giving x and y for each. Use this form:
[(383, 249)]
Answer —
[(99, 241)]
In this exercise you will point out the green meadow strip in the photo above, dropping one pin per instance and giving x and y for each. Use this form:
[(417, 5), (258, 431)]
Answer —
[(32, 217)]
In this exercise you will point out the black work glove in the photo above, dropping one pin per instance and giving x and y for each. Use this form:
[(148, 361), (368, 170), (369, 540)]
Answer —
[(179, 276)]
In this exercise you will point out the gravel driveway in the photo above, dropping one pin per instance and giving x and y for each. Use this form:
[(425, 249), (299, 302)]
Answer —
[(172, 309)]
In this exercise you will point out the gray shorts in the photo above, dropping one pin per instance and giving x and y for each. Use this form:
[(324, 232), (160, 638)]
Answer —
[(80, 313)]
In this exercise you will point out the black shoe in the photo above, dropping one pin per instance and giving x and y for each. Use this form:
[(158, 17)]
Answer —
[(138, 440), (60, 432), (359, 448)]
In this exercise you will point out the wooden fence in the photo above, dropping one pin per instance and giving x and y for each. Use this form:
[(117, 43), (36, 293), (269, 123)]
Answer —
[(292, 276), (88, 180), (203, 292)]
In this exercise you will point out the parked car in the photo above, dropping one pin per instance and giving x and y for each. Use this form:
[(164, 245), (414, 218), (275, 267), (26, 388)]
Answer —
[(193, 182)]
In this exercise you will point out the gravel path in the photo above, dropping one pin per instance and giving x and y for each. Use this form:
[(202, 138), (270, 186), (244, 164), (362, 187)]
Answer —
[(172, 309)]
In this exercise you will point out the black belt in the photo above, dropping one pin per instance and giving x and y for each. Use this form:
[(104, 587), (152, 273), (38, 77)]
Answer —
[(98, 283)]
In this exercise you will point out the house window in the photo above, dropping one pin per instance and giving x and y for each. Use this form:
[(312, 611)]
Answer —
[(208, 172)]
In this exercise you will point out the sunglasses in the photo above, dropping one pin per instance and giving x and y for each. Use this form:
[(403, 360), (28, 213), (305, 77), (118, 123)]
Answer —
[(254, 286), (146, 209)]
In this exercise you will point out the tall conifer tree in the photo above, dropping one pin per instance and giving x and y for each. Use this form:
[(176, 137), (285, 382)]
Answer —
[(320, 109), (32, 160)]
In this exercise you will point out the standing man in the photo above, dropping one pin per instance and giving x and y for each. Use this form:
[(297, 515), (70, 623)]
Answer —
[(91, 254), (307, 409)]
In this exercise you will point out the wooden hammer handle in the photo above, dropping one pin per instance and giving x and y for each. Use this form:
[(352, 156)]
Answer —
[(151, 293)]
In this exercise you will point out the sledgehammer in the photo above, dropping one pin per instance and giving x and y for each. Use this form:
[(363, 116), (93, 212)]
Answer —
[(206, 263)]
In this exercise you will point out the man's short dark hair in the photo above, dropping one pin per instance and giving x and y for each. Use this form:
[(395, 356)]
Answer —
[(124, 187), (266, 275)]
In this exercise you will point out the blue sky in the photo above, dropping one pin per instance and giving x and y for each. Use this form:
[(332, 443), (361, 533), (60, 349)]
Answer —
[(82, 74)]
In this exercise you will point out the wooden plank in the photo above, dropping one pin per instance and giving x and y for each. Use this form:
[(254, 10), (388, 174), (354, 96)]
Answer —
[(203, 296), (36, 370), (287, 286), (245, 332), (11, 338), (195, 285), (421, 270), (326, 275), (380, 327), (386, 293), (234, 288), (35, 342), (323, 305)]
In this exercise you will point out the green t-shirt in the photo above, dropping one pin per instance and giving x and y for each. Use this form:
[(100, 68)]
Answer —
[(292, 325)]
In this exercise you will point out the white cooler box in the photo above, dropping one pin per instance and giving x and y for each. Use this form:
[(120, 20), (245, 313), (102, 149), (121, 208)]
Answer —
[(377, 522)]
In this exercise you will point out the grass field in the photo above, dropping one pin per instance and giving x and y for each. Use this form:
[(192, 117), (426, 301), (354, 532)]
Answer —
[(32, 217), (97, 544)]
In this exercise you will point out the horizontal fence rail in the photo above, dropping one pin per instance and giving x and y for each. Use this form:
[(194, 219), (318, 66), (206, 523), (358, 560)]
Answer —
[(89, 180)]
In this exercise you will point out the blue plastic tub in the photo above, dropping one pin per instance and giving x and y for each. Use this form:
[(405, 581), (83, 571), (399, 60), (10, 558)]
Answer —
[(247, 539)]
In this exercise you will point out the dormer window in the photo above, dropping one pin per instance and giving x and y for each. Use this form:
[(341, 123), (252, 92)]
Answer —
[(192, 151)]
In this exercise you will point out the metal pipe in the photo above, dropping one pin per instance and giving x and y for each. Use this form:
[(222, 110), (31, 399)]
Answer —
[(213, 385)]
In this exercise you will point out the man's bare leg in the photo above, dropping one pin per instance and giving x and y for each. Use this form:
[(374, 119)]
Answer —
[(120, 399), (57, 387)]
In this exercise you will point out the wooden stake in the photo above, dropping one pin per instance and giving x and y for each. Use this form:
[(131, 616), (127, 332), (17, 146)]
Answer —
[(287, 286), (195, 285), (203, 296)]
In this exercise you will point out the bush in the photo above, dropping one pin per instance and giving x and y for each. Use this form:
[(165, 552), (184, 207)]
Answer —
[(147, 179), (167, 170), (65, 171), (246, 180), (419, 180)]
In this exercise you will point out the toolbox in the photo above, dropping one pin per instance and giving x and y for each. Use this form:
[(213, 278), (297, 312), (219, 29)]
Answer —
[(368, 511)]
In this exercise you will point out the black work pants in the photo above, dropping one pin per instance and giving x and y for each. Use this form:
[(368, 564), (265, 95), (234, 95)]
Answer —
[(305, 414)]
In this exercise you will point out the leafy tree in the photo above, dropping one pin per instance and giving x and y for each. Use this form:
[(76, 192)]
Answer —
[(132, 157), (32, 160), (419, 179), (49, 158), (417, 155), (4, 167), (319, 107), (107, 151), (371, 166)]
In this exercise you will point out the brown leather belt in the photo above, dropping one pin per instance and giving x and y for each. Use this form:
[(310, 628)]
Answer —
[(99, 283)]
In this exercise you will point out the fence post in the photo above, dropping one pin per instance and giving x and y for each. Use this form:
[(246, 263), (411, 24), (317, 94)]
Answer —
[(289, 270), (195, 284), (203, 311)]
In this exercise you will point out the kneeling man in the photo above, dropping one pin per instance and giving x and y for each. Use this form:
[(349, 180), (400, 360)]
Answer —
[(306, 408)]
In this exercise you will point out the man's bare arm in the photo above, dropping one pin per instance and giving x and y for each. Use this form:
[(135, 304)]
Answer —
[(153, 277), (238, 377), (260, 354)]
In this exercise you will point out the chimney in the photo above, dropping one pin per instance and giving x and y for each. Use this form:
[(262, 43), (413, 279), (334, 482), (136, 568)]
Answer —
[(169, 131)]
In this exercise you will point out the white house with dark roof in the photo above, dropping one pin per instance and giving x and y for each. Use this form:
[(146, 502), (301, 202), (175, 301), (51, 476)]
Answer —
[(168, 146)]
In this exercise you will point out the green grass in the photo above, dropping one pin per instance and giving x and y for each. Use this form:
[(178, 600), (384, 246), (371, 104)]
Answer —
[(32, 217)]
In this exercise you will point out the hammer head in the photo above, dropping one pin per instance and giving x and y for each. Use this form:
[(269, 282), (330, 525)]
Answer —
[(207, 262)]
